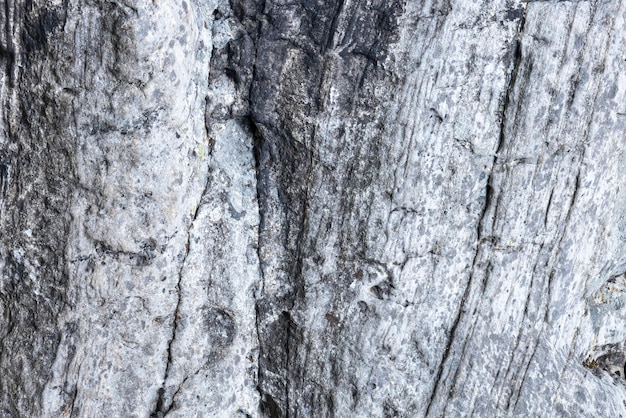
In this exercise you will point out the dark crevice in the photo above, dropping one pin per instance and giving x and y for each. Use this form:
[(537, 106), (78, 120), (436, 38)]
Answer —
[(71, 407), (489, 201), (573, 199), (489, 192), (161, 409), (545, 218), (7, 52), (516, 394), (333, 26), (172, 405), (518, 339), (268, 406), (517, 60), (260, 156), (546, 316), (448, 349)]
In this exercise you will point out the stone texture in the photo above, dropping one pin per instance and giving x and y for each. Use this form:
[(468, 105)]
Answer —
[(301, 208)]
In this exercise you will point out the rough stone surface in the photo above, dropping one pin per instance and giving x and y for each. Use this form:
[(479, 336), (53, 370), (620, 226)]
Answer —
[(271, 208)]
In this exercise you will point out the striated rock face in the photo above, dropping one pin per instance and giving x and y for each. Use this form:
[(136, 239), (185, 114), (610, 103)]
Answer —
[(274, 208)]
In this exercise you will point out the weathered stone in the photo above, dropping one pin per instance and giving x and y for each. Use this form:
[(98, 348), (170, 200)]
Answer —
[(278, 208)]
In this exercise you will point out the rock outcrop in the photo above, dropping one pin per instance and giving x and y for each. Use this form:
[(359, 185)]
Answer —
[(274, 208)]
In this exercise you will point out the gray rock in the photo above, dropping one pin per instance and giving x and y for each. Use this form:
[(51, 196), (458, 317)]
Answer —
[(356, 208)]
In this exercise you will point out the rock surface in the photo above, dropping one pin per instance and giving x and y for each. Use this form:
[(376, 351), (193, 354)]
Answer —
[(253, 208)]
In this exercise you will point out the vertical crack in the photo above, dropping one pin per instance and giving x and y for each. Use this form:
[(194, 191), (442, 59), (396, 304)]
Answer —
[(268, 405), (489, 201), (258, 144), (517, 61), (161, 408)]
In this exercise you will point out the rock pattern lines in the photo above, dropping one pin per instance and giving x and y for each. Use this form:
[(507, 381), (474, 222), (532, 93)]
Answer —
[(271, 208)]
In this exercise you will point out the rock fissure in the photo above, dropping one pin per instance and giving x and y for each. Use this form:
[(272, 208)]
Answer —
[(161, 408), (291, 288), (490, 201)]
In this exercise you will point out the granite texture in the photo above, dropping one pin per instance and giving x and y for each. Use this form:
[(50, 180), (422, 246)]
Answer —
[(350, 208)]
